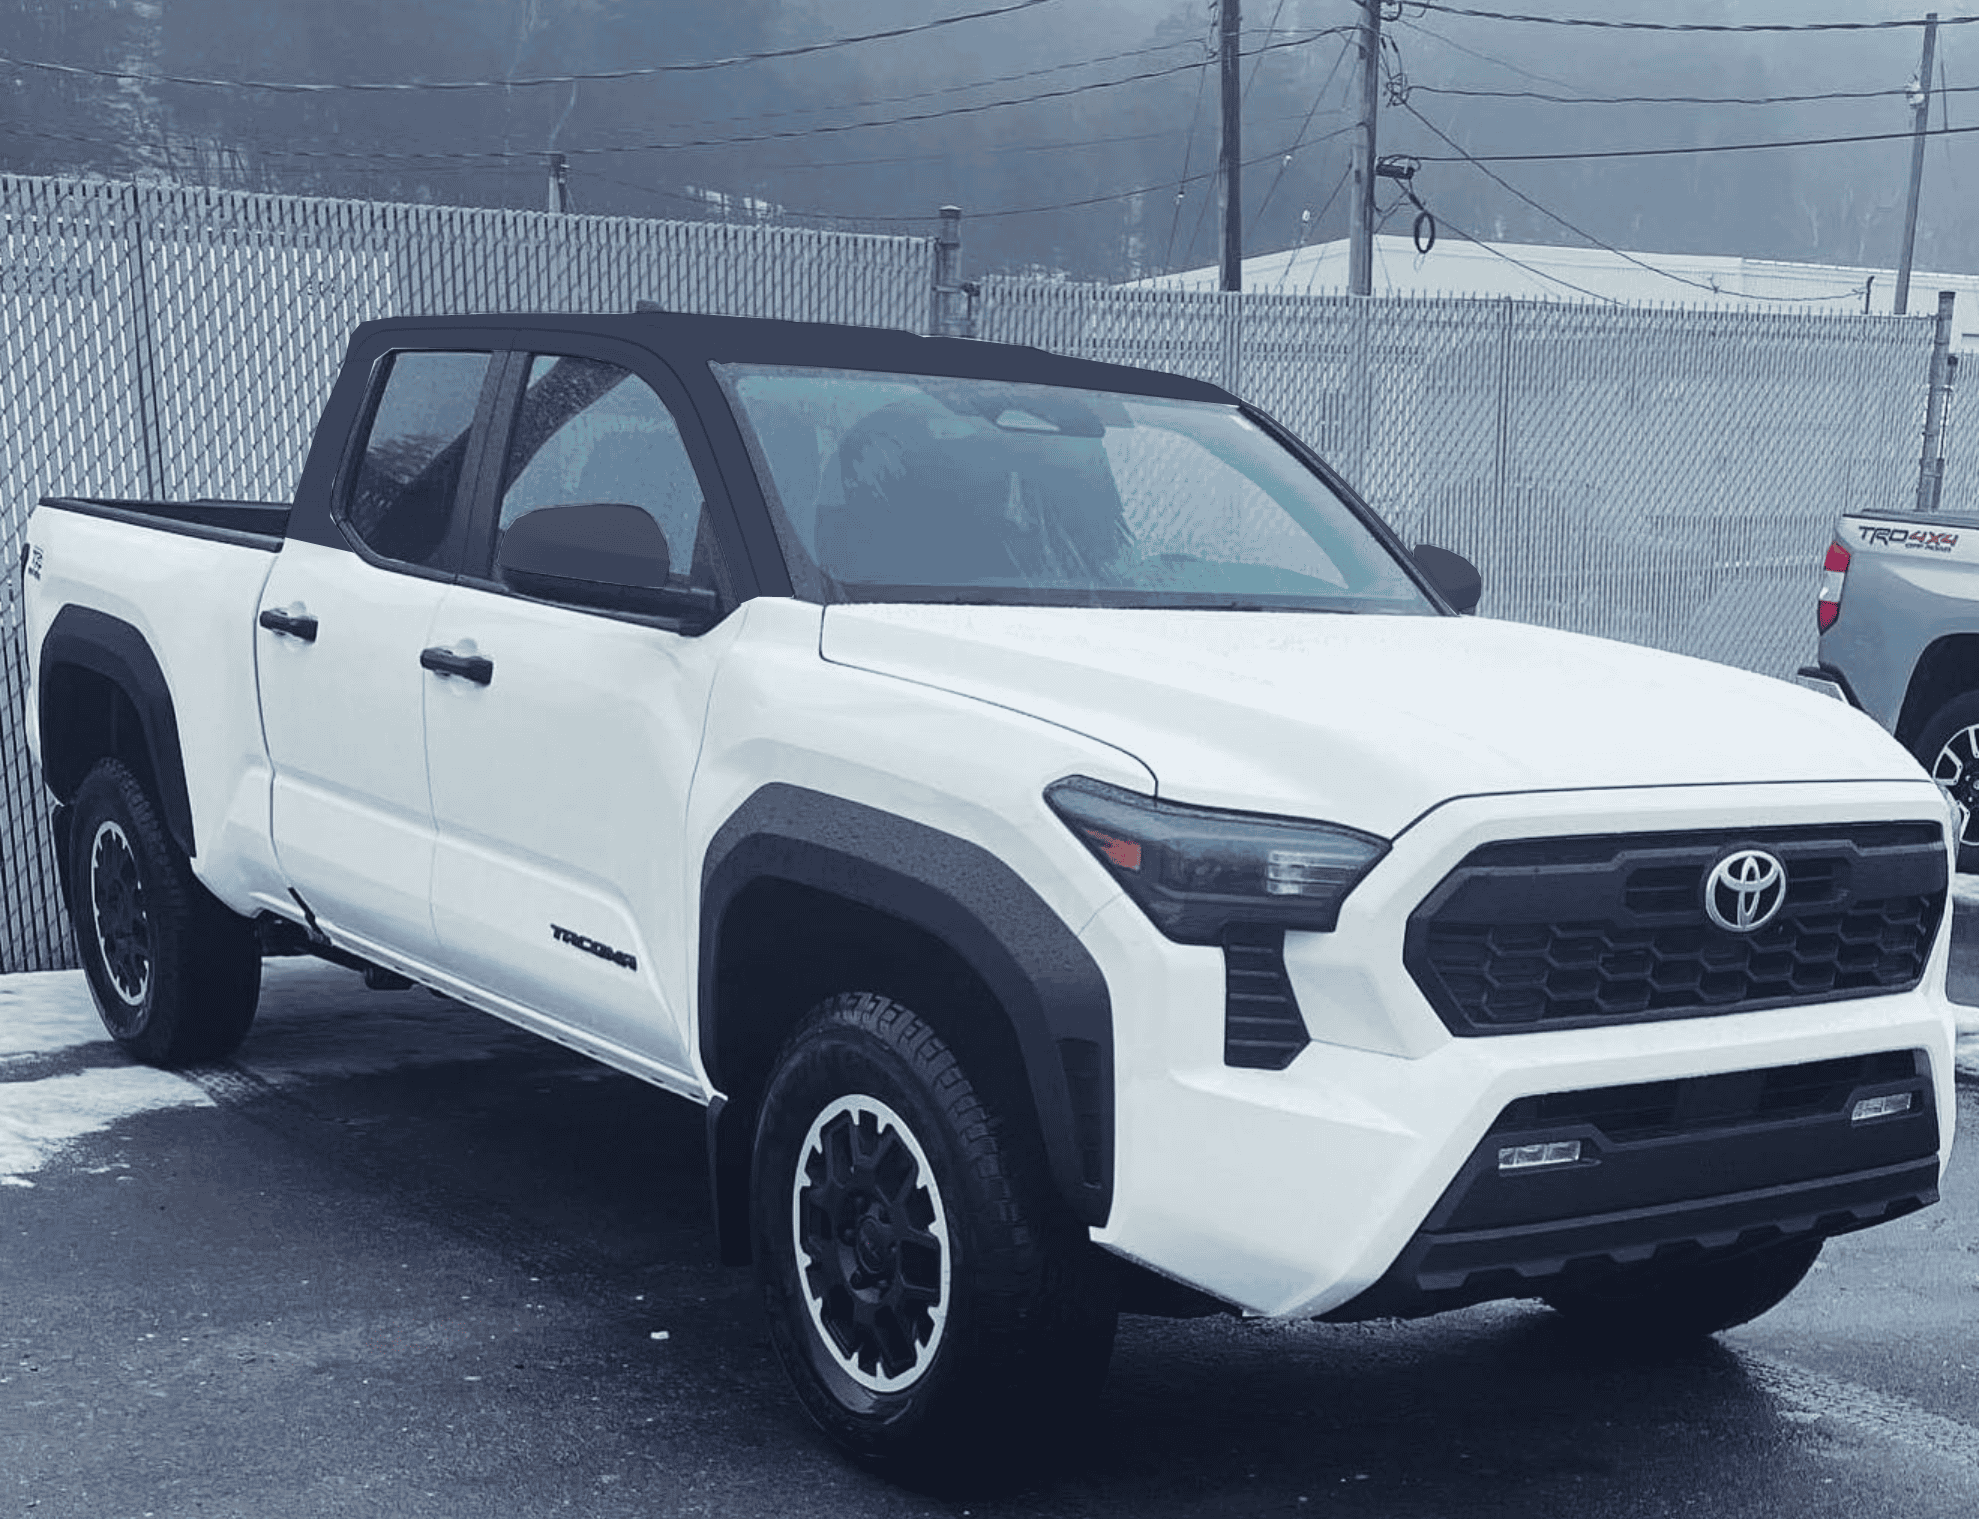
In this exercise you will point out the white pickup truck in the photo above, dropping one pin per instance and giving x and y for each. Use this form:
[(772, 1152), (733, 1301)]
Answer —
[(1081, 860)]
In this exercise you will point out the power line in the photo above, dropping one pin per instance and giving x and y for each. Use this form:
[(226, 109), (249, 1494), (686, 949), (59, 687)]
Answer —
[(1188, 152), (947, 89), (1884, 94), (644, 71), (807, 131), (1325, 206), (1094, 200), (975, 216), (1257, 216), (1689, 26), (492, 161), (1711, 147), (1534, 269), (1581, 232), (1471, 52)]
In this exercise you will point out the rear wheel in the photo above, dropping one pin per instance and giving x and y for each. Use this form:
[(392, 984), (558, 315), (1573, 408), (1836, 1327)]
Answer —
[(175, 975), (936, 1310), (1660, 1302), (1948, 746)]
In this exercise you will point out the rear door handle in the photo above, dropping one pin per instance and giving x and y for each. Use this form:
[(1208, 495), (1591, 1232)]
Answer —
[(468, 666), (303, 626)]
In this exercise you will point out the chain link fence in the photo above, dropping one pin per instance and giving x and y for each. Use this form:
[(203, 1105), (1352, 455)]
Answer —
[(1663, 476)]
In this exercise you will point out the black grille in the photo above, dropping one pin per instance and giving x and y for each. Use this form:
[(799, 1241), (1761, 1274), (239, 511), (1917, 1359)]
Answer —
[(1262, 1028), (1570, 932)]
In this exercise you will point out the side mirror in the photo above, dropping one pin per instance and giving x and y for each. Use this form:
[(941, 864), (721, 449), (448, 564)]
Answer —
[(1456, 579), (602, 554)]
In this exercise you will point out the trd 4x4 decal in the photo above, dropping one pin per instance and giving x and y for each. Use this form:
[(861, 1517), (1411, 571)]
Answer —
[(1909, 538)]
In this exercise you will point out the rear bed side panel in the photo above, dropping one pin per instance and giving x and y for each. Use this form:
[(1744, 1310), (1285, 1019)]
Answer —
[(191, 602)]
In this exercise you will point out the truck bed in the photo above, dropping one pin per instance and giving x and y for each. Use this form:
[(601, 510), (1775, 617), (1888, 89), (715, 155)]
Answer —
[(250, 524)]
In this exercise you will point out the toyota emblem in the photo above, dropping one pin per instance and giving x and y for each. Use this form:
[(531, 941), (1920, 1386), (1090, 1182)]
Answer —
[(1745, 891)]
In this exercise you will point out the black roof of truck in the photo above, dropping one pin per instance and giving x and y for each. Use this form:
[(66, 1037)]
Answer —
[(682, 336)]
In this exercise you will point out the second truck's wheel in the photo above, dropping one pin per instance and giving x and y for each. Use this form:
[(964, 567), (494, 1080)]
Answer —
[(1948, 746), (174, 974), (937, 1312), (1656, 1303)]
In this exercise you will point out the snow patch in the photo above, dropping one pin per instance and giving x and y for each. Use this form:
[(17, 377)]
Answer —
[(46, 1011), (40, 1118)]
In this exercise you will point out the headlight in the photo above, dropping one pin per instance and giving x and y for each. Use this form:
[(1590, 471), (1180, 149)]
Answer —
[(1196, 871)]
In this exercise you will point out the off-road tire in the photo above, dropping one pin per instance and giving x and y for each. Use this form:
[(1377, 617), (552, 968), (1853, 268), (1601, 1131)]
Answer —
[(1947, 746), (950, 1322), (175, 974), (1660, 1303)]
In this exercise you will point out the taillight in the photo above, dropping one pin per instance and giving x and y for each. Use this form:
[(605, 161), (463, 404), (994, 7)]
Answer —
[(1834, 569)]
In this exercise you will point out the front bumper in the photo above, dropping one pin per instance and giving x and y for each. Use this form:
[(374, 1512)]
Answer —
[(1350, 1182)]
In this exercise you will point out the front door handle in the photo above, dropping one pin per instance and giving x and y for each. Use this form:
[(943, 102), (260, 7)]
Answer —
[(303, 626), (468, 666)]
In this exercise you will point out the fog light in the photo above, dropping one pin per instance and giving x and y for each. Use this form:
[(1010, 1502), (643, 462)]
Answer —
[(1869, 1107), (1558, 1152)]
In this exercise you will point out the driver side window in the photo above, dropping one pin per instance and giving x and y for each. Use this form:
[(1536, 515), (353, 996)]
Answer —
[(588, 432)]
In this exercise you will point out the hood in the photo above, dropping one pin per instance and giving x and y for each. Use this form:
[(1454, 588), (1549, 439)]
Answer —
[(1369, 720)]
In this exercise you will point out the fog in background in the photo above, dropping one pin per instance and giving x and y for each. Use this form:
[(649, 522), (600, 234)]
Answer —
[(671, 145)]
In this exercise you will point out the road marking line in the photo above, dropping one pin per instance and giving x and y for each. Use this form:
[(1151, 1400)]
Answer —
[(1810, 1394)]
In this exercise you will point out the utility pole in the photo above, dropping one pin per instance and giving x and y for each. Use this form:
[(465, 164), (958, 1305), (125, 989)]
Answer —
[(1920, 119), (1231, 151), (1931, 468), (559, 183), (1360, 210)]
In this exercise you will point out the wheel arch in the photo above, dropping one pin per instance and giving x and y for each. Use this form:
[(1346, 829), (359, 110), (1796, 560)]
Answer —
[(102, 694), (1948, 667), (801, 891)]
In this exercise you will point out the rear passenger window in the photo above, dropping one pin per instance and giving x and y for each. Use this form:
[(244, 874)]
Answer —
[(589, 431), (407, 489)]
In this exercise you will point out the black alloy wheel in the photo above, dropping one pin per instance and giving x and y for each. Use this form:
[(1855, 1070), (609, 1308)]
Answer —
[(1948, 747), (872, 1236)]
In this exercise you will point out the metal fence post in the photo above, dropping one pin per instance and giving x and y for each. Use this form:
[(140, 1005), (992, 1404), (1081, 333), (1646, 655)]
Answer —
[(144, 352), (1931, 468), (1503, 483), (949, 291)]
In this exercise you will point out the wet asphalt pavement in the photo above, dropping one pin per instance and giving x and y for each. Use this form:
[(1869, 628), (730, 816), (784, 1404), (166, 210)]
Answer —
[(401, 1260)]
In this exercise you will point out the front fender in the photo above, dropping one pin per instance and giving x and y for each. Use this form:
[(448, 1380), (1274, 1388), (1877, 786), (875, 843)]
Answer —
[(1043, 978)]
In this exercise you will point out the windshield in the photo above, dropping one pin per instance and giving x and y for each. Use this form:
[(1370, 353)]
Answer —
[(893, 487)]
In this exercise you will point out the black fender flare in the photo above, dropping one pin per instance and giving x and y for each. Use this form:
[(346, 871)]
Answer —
[(114, 649), (1048, 984)]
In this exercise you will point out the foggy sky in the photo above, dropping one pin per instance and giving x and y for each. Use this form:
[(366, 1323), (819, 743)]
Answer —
[(1830, 204)]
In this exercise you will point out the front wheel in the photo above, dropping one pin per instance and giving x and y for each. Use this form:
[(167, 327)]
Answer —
[(174, 974), (1659, 1302), (936, 1310), (1948, 746)]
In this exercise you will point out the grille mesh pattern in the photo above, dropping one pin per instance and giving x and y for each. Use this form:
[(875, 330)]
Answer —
[(1494, 953)]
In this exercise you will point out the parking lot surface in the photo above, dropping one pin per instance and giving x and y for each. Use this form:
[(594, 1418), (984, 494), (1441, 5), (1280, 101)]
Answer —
[(399, 1259)]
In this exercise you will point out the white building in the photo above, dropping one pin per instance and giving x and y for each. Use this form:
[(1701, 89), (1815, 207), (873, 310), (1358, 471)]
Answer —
[(1533, 271)]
